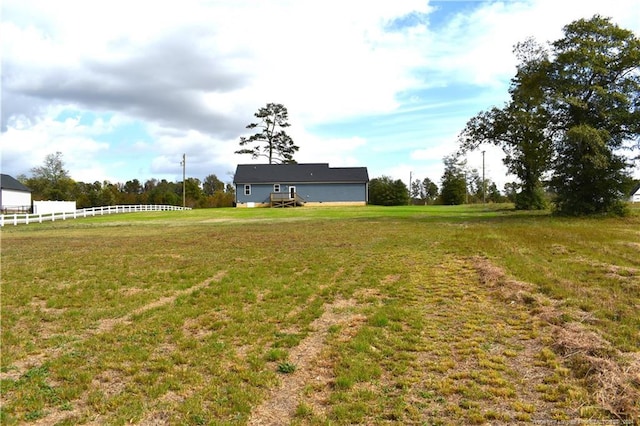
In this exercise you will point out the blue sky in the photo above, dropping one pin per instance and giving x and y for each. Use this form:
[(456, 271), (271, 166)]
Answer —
[(122, 89)]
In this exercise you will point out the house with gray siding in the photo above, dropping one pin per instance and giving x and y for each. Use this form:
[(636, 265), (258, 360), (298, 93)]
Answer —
[(291, 185)]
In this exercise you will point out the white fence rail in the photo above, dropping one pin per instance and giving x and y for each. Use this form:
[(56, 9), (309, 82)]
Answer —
[(20, 218)]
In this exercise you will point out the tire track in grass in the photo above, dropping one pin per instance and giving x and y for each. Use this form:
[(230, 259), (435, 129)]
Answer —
[(281, 403), (106, 325)]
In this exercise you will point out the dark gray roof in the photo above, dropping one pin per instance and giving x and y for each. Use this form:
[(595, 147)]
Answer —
[(299, 173), (7, 182)]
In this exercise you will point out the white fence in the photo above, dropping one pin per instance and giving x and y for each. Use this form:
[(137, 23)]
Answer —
[(14, 219)]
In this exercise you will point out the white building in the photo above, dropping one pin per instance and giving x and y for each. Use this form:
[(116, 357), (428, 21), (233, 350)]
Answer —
[(14, 196), (635, 194)]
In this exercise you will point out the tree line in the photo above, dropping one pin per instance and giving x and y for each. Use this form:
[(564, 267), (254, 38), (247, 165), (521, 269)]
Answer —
[(52, 181), (458, 185)]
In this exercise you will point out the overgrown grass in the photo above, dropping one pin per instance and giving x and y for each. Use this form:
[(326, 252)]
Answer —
[(189, 317)]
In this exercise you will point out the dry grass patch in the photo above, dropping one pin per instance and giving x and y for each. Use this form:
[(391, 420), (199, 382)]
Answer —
[(107, 385), (613, 375)]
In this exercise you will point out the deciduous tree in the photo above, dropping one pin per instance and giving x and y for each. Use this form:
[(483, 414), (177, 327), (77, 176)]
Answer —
[(520, 127), (595, 97), (51, 181), (453, 187), (430, 190), (385, 191), (212, 184)]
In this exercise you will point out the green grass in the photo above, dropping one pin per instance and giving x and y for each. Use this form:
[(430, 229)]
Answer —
[(191, 317)]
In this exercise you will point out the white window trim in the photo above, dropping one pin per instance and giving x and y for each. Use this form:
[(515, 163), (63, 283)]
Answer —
[(247, 190), (276, 187)]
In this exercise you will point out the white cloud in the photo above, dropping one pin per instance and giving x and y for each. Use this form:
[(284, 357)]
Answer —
[(26, 147), (194, 72)]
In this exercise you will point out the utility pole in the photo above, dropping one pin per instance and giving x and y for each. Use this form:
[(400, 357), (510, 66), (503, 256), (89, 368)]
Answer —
[(484, 190), (184, 182), (466, 187), (410, 177)]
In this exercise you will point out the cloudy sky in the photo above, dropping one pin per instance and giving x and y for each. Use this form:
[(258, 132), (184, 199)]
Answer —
[(122, 88)]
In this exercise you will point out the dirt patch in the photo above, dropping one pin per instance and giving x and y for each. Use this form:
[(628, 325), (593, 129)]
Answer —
[(632, 245), (390, 279), (41, 305), (130, 291), (156, 418), (281, 403), (110, 382)]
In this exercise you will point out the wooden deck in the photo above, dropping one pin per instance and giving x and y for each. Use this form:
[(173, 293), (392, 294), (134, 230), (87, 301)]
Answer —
[(282, 199)]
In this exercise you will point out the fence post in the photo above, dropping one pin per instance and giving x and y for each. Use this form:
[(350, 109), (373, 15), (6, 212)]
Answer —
[(64, 216)]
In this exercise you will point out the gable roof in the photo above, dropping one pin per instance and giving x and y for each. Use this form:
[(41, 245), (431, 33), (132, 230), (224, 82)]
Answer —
[(299, 173), (8, 182), (635, 190)]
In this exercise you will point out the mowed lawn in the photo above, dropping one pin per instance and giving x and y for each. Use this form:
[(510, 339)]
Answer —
[(371, 315)]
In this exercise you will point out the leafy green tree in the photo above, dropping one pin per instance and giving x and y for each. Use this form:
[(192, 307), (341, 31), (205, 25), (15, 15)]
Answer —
[(494, 195), (453, 186), (52, 170), (133, 187), (417, 191), (271, 142), (385, 191), (511, 191), (587, 179), (595, 97), (193, 190), (164, 192), (212, 184), (424, 190), (474, 185), (109, 194), (51, 181), (520, 128), (131, 192), (430, 190), (87, 194)]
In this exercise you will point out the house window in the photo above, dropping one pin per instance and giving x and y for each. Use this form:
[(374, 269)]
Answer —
[(247, 190), (276, 187)]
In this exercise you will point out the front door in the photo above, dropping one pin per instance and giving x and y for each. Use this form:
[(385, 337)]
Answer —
[(292, 192)]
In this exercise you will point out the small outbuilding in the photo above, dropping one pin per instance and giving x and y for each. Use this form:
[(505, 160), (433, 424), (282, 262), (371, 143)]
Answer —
[(635, 194), (291, 185), (14, 196)]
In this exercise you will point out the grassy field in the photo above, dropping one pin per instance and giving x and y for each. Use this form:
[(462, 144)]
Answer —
[(318, 316)]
